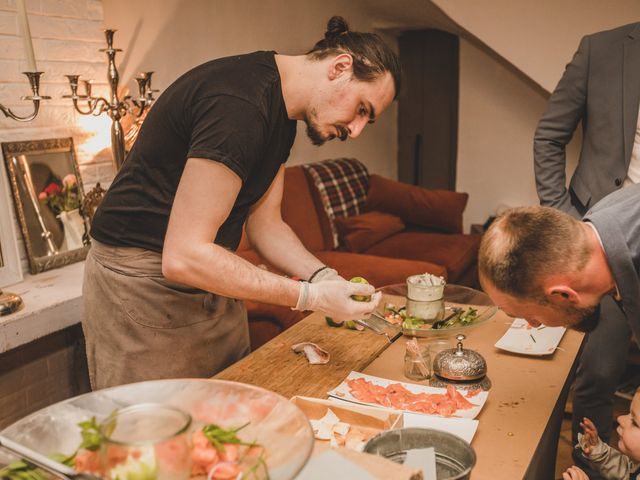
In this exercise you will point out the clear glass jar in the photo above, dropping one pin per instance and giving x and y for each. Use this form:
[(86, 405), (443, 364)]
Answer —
[(147, 442), (425, 287), (430, 311), (416, 368)]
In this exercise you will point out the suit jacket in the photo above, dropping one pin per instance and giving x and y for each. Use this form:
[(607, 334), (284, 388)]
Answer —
[(617, 219), (601, 88)]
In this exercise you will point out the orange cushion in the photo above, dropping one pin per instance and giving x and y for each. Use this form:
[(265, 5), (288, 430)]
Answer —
[(458, 252), (437, 209), (360, 232)]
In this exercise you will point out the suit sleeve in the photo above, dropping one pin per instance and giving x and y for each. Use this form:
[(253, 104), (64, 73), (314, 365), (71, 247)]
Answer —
[(566, 108)]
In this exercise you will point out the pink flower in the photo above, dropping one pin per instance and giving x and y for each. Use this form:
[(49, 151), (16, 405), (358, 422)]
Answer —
[(42, 196), (69, 180)]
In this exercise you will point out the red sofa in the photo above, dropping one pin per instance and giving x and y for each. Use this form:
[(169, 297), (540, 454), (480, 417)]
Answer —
[(392, 260)]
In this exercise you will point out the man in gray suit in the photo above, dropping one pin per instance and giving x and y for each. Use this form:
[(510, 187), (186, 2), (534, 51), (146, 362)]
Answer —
[(601, 89)]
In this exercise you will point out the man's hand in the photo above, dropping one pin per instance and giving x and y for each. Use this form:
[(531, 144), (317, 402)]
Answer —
[(589, 436), (333, 298)]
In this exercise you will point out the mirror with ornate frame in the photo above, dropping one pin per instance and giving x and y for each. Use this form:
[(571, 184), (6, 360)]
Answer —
[(47, 191)]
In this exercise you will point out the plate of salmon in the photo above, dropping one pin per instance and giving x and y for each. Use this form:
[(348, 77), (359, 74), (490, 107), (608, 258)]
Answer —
[(409, 397)]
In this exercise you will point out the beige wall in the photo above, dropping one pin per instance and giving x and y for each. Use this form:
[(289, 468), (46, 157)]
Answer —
[(538, 37), (182, 34), (498, 115), (499, 112)]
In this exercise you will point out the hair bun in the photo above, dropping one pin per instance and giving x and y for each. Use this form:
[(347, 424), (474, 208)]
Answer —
[(336, 26)]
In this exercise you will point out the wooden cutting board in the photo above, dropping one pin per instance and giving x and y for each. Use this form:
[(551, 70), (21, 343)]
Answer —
[(276, 367)]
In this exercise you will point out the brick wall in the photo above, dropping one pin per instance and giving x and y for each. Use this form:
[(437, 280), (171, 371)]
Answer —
[(42, 372), (67, 35)]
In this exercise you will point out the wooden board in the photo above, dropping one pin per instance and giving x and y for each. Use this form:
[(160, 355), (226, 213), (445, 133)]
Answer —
[(276, 367)]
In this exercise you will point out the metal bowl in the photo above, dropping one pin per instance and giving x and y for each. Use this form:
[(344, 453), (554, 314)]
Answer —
[(271, 419), (454, 457)]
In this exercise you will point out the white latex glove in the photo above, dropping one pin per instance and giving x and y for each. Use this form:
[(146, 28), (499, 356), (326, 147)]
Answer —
[(333, 298), (326, 274)]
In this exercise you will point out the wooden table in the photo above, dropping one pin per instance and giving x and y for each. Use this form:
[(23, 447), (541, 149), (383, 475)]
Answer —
[(275, 367), (519, 424)]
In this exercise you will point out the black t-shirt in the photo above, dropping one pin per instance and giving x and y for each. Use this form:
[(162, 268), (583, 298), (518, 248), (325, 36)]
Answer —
[(228, 110)]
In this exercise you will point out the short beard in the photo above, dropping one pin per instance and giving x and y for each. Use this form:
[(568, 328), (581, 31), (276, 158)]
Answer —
[(588, 318), (313, 131), (314, 135)]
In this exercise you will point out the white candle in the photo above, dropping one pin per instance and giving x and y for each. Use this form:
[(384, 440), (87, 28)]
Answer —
[(23, 21)]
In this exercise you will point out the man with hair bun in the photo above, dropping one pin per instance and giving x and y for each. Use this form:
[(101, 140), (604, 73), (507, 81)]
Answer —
[(163, 288), (543, 265)]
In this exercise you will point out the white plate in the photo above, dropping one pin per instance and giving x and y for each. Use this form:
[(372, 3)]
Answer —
[(526, 340), (342, 392), (465, 428)]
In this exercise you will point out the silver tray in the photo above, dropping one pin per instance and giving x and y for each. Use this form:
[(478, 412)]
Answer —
[(274, 422), (454, 296)]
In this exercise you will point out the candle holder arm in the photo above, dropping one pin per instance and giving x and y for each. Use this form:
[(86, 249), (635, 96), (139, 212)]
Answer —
[(34, 82)]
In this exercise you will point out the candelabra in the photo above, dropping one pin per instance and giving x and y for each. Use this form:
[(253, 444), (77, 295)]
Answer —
[(34, 81), (115, 107)]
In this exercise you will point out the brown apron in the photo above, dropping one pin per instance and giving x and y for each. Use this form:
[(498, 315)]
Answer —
[(140, 326)]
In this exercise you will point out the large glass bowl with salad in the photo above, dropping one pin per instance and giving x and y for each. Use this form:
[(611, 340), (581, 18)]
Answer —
[(236, 431), (465, 308)]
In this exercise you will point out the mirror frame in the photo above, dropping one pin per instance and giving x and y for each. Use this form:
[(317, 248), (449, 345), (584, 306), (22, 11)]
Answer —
[(12, 149), (11, 270)]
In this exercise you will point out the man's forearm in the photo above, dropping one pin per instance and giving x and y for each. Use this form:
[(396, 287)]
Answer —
[(217, 270), (282, 248)]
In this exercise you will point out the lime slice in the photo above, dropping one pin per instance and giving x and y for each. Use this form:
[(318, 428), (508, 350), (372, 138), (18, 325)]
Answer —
[(332, 323)]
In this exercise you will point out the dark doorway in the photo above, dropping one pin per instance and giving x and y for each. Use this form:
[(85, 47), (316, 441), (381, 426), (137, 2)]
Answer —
[(428, 109)]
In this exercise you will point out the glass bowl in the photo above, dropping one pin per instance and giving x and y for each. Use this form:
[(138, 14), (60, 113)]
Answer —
[(270, 419), (454, 296)]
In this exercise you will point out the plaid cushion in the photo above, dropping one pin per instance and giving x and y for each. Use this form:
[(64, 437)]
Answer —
[(342, 184)]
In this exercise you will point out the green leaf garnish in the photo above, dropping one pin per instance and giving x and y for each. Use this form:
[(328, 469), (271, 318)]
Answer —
[(218, 436)]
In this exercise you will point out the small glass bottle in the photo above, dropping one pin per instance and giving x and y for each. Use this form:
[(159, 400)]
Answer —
[(415, 367)]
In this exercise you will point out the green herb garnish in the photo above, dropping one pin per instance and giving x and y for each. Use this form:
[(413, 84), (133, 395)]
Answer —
[(413, 323), (218, 436), (90, 432)]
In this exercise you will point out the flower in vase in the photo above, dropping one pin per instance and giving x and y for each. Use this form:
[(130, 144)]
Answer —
[(61, 198), (52, 189), (69, 180)]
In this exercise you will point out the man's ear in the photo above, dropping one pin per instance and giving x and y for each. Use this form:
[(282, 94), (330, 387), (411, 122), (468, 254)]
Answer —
[(560, 294), (341, 65)]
